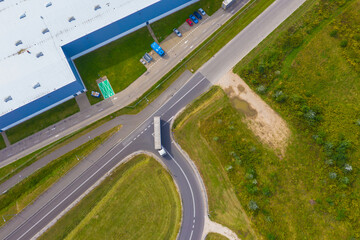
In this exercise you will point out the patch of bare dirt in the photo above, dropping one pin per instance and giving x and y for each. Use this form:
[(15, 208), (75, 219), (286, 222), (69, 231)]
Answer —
[(260, 117)]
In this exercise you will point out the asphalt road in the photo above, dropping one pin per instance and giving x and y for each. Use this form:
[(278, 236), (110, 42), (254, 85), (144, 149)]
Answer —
[(141, 138)]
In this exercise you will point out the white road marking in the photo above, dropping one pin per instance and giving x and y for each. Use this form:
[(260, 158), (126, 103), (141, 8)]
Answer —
[(168, 120), (187, 180), (115, 98), (191, 46), (116, 154), (56, 135), (192, 231), (101, 167)]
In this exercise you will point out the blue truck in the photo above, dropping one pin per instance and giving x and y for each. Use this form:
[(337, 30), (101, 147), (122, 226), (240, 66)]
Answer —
[(157, 49)]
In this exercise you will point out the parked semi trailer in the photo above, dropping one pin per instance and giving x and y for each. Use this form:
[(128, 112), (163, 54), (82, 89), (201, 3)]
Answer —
[(157, 136)]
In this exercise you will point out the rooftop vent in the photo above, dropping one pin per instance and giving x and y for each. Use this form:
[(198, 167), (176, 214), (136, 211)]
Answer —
[(97, 7), (40, 54), (22, 16), (71, 19), (48, 4), (36, 86), (46, 30), (18, 42), (9, 98)]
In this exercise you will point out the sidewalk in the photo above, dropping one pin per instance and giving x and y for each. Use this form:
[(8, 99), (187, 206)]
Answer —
[(176, 49)]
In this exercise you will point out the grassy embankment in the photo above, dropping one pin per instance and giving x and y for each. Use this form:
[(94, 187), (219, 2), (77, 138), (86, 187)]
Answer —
[(307, 70), (215, 236), (29, 189), (42, 121), (13, 168), (138, 200), (164, 27), (190, 131)]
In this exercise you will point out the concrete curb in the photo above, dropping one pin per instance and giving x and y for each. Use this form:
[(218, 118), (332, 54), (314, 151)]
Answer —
[(98, 182)]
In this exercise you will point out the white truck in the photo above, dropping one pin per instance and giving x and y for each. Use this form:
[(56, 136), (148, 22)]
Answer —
[(157, 136)]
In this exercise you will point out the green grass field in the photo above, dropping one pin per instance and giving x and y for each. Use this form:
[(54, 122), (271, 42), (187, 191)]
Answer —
[(224, 206), (283, 198), (163, 27), (215, 236), (2, 142), (137, 201), (42, 121), (309, 68), (118, 60), (30, 188)]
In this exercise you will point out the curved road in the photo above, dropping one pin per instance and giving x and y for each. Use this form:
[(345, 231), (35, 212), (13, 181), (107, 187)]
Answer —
[(140, 139)]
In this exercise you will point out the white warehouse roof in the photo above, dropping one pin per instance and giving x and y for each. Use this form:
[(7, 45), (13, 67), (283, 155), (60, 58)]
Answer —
[(32, 32)]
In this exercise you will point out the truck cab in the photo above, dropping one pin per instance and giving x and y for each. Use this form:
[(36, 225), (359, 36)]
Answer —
[(162, 152)]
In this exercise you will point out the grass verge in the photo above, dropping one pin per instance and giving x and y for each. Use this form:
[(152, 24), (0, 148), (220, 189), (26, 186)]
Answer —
[(162, 28), (118, 60), (215, 236), (13, 168), (28, 190), (224, 206), (137, 201), (42, 121)]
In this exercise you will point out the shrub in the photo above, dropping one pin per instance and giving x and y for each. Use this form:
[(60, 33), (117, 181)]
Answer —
[(266, 191), (253, 205), (348, 167), (228, 168), (261, 89), (279, 96), (343, 43), (345, 180), (334, 33), (329, 162), (332, 175), (357, 122)]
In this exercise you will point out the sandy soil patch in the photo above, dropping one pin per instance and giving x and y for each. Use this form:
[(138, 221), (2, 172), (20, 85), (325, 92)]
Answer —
[(260, 117)]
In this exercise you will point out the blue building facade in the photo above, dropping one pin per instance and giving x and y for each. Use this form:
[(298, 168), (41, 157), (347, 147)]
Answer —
[(82, 46)]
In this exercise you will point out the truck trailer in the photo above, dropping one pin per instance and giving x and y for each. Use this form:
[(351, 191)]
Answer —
[(157, 136)]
